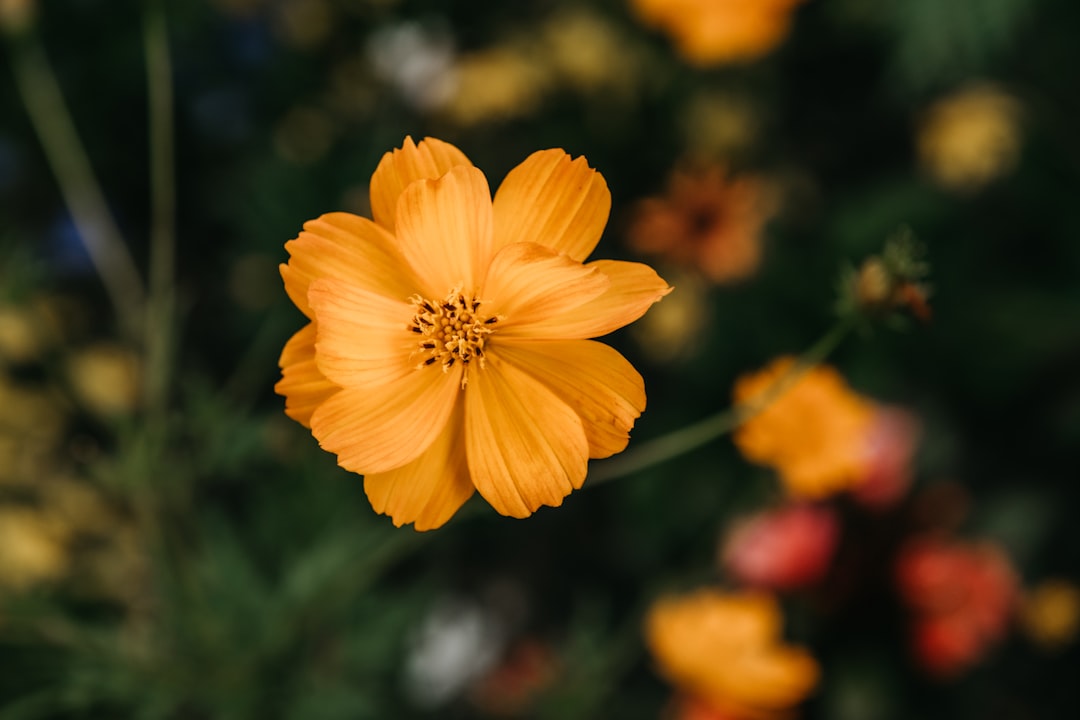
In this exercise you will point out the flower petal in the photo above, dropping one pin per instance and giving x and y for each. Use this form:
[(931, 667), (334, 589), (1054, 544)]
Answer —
[(383, 427), (526, 447), (770, 679), (527, 283), (444, 230), (302, 383), (634, 288), (362, 337), (398, 169), (346, 247), (431, 488), (554, 201), (598, 383)]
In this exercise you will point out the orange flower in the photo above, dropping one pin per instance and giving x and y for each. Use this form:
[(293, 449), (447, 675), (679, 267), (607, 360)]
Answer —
[(725, 649), (706, 221), (720, 31), (448, 349), (815, 433), (692, 708)]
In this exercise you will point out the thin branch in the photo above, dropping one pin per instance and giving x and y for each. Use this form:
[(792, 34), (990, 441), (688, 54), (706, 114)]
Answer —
[(161, 306), (40, 93)]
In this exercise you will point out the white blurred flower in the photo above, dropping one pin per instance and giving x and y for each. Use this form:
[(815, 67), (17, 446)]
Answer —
[(415, 59), (458, 642)]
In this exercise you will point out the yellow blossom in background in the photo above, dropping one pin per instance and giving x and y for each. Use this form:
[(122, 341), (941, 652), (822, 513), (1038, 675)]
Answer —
[(31, 552), (105, 378), (719, 124), (814, 433), (21, 336), (16, 15), (31, 426), (674, 328), (1050, 613), (971, 137), (496, 84), (706, 221), (572, 49), (726, 650), (449, 345), (588, 53), (710, 32)]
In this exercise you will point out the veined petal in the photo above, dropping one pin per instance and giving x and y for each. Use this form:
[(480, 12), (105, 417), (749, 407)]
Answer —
[(526, 447), (598, 383), (302, 383), (431, 488), (400, 168), (362, 338), (444, 229), (527, 283), (345, 247), (634, 288), (383, 427), (554, 201)]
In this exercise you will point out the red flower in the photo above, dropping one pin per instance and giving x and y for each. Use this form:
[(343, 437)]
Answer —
[(890, 444), (782, 549), (511, 687), (962, 596)]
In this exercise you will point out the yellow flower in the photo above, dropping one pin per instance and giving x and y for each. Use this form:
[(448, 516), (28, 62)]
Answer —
[(726, 650), (815, 433), (1050, 613), (496, 84), (971, 137), (31, 551), (105, 378), (720, 31), (448, 349)]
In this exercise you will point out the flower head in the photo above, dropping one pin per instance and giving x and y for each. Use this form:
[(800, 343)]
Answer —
[(1050, 613), (707, 221), (782, 548), (726, 650), (890, 446), (971, 137), (720, 31), (815, 433), (962, 596), (449, 345)]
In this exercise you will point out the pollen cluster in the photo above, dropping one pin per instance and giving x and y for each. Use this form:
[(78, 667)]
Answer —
[(451, 331)]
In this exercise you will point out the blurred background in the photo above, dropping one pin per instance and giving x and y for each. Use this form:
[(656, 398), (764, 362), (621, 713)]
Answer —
[(172, 546)]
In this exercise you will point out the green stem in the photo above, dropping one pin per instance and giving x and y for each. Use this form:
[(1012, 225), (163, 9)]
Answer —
[(161, 304), (704, 431), (49, 115)]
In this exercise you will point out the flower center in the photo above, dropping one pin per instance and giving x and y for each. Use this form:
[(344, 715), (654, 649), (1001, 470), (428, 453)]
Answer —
[(451, 331)]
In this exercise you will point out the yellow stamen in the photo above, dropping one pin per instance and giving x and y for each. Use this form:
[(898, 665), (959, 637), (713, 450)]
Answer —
[(451, 331)]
